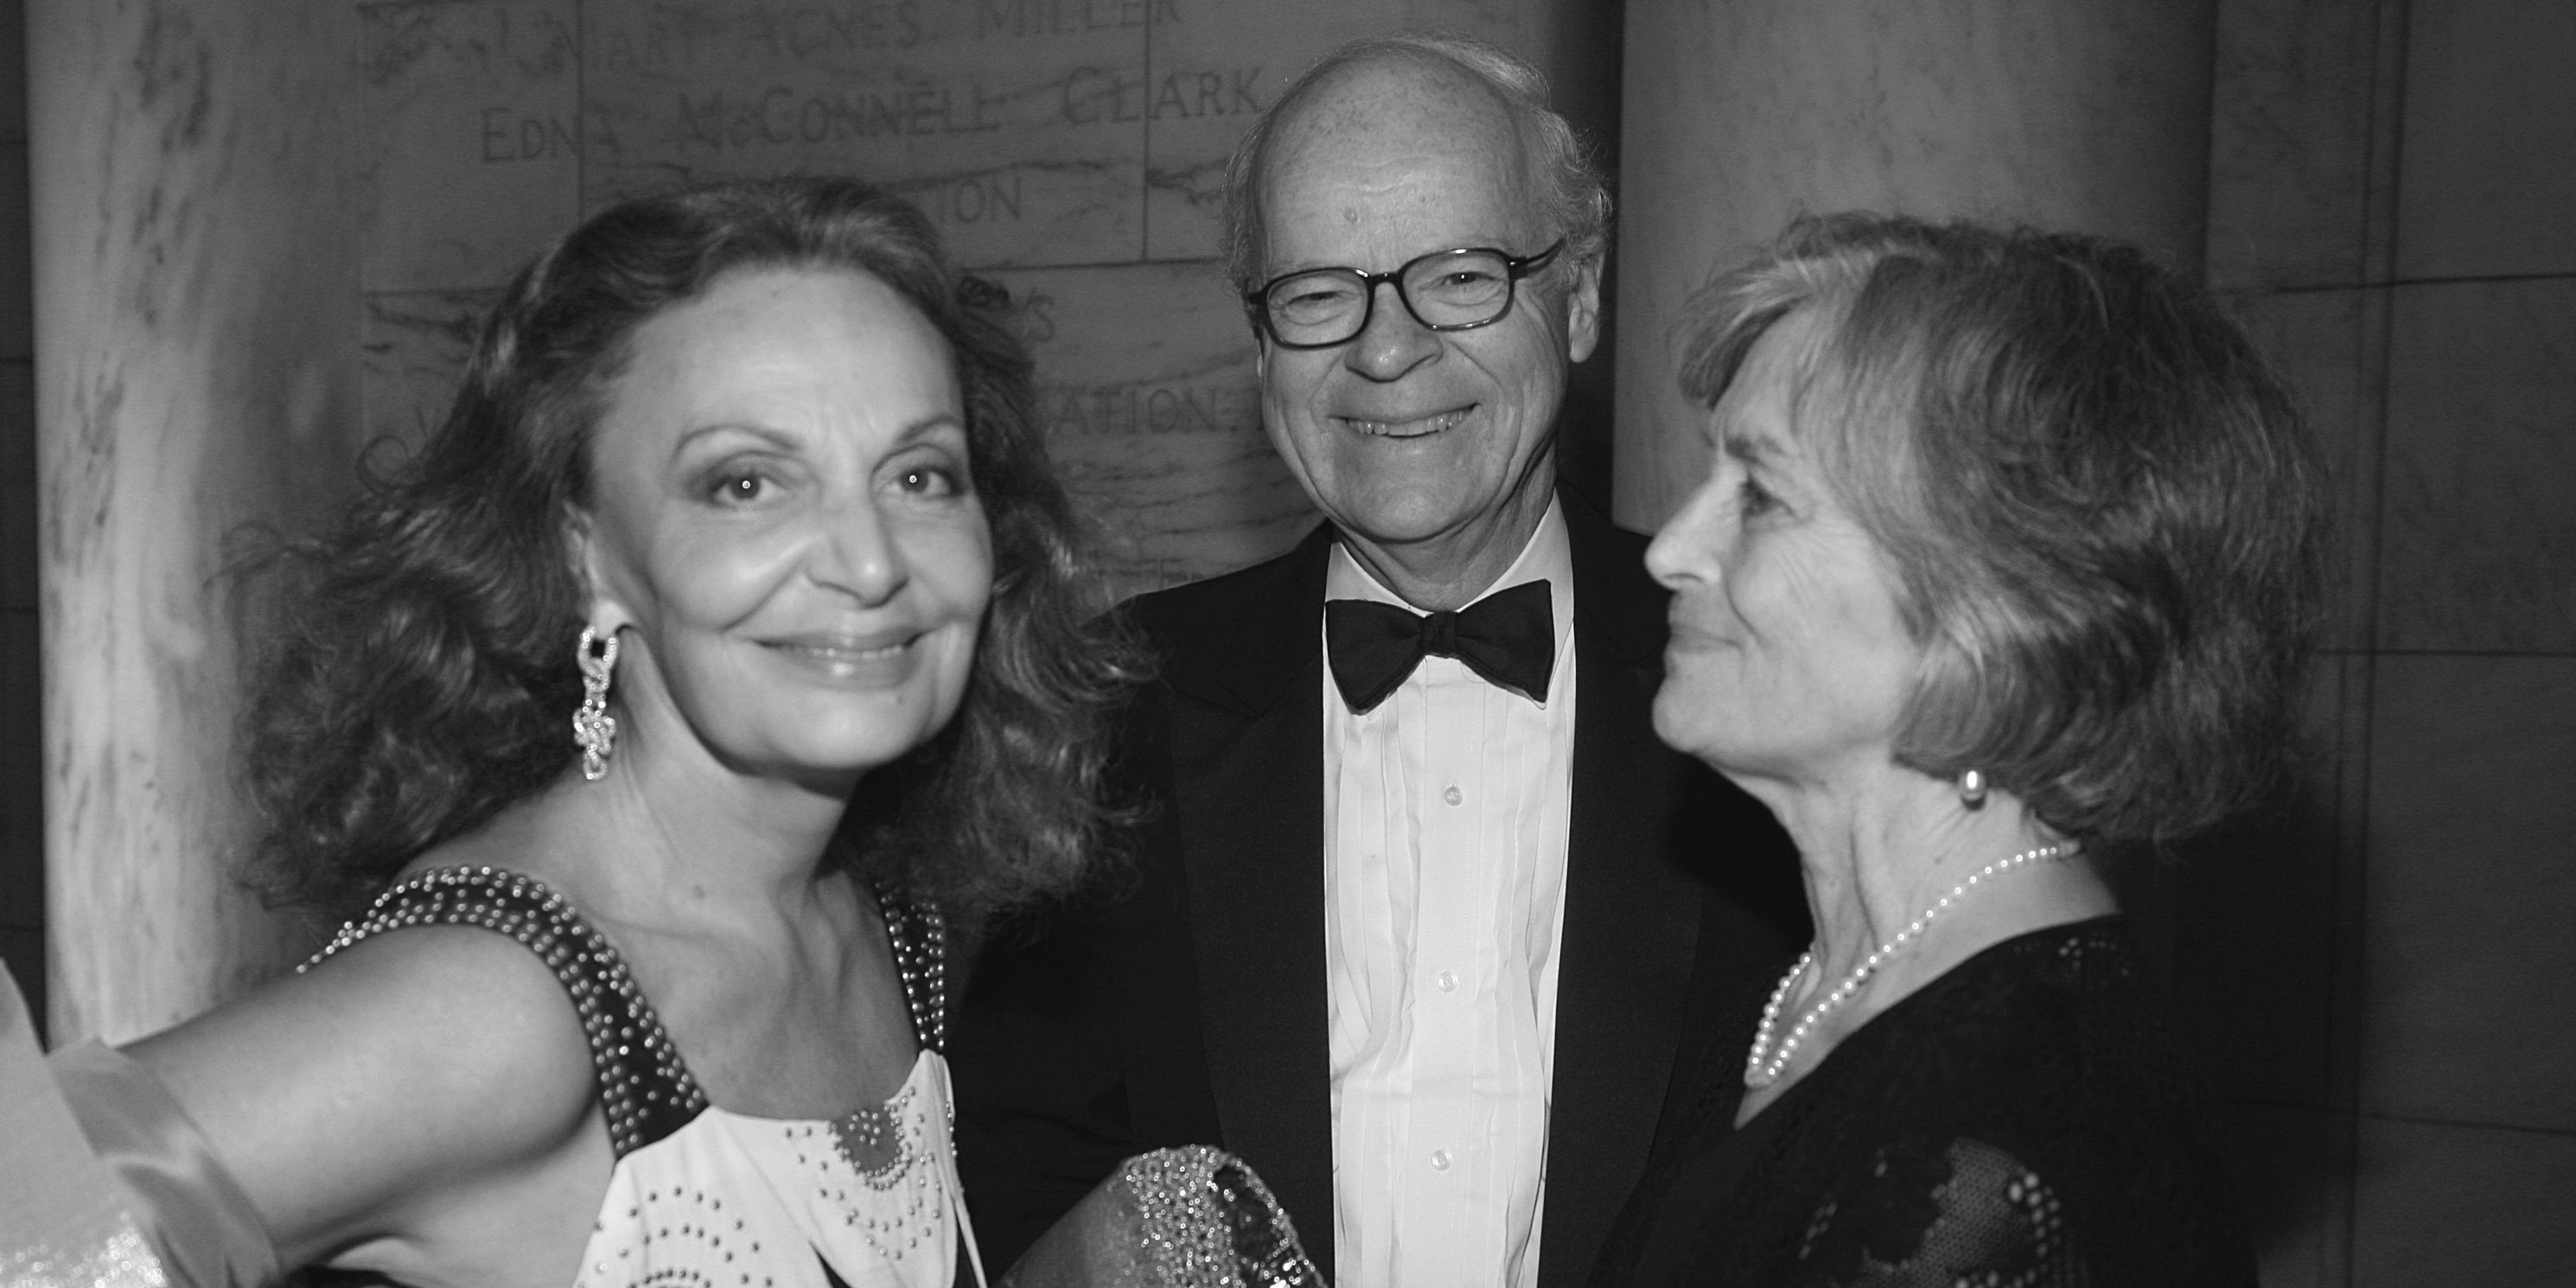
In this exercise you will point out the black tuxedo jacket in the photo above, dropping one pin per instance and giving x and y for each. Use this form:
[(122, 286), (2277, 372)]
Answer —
[(1182, 1001)]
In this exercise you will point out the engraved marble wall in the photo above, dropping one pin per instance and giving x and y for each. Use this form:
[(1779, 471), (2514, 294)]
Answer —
[(1071, 149), (194, 254), (1741, 115)]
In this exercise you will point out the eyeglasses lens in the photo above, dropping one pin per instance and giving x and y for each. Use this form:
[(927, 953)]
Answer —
[(1455, 290), (1318, 308)]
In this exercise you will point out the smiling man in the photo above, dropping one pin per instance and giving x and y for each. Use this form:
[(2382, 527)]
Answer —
[(1422, 913)]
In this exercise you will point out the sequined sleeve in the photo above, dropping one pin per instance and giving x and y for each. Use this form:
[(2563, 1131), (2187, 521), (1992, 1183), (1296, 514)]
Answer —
[(195, 1215), (104, 1181)]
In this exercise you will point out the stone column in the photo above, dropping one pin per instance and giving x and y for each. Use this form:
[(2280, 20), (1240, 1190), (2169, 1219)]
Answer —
[(1739, 114), (196, 371)]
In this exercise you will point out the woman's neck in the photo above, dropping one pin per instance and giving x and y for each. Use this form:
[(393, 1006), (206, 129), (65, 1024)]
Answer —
[(669, 839), (1899, 867), (1884, 846)]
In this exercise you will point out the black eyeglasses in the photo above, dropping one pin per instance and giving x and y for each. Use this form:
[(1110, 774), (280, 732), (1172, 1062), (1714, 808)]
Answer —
[(1446, 290)]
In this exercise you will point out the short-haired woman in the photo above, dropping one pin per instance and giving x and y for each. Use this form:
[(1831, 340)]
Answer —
[(2004, 565), (741, 510)]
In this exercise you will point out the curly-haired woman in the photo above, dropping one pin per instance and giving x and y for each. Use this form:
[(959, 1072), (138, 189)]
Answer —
[(739, 538), (2004, 565)]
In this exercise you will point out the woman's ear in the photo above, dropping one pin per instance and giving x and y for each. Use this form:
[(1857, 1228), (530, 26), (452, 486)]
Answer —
[(586, 558)]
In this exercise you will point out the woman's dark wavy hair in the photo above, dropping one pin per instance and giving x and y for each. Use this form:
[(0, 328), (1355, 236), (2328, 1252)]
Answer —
[(2103, 506), (421, 676)]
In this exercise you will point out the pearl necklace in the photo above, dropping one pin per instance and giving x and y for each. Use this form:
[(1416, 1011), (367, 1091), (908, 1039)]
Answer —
[(1759, 1074)]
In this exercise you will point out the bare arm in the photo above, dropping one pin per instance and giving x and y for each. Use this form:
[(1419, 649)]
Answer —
[(390, 1107)]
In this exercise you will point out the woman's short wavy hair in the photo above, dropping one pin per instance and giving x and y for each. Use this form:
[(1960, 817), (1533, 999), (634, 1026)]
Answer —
[(421, 676), (1566, 188), (2103, 506)]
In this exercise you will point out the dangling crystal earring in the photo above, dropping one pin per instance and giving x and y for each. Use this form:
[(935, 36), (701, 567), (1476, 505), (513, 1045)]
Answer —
[(1972, 788), (593, 729)]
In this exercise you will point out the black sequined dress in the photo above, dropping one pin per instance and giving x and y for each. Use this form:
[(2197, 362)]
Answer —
[(2020, 1121)]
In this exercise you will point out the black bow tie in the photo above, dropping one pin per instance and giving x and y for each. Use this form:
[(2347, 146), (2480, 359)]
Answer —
[(1508, 637)]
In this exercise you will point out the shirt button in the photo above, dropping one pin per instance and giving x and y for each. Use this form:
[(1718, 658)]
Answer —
[(1453, 795), (1448, 982), (1440, 1159)]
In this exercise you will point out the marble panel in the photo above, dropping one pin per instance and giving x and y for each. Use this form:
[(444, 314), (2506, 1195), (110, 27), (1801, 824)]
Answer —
[(1213, 71), (1153, 416), (2489, 171), (2293, 1174), (17, 258), (416, 346), (2259, 977), (2439, 1204), (17, 485), (1214, 67), (472, 161), (2470, 963), (196, 253), (1015, 124), (2292, 141), (1738, 116), (2477, 527), (2331, 345)]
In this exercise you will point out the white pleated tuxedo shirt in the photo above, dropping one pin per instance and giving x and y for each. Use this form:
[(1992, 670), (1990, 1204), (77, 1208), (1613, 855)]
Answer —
[(1445, 817)]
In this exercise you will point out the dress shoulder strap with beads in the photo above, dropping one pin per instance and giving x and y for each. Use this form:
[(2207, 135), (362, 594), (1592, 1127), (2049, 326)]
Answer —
[(919, 935), (645, 1090)]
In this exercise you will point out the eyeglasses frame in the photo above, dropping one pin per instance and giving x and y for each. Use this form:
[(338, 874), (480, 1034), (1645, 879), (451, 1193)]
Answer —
[(1515, 267)]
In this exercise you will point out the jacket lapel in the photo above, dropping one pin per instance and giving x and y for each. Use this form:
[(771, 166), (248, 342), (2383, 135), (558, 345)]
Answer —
[(1631, 916), (1248, 773)]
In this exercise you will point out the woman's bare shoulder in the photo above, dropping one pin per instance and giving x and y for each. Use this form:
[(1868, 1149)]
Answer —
[(410, 1067)]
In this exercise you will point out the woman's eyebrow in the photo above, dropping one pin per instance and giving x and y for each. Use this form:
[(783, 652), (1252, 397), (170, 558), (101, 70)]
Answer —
[(1750, 447), (774, 437), (929, 425)]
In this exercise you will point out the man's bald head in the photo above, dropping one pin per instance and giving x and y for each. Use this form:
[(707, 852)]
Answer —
[(1440, 80)]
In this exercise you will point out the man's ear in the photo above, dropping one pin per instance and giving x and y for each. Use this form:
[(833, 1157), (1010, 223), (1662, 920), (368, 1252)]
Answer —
[(1583, 312)]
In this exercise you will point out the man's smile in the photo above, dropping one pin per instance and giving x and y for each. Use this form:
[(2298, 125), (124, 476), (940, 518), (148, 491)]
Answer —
[(1418, 427)]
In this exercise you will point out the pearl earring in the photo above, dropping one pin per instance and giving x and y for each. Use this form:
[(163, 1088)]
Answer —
[(1972, 789)]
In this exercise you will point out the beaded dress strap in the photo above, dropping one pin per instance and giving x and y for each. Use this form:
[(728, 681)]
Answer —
[(644, 1090), (919, 935)]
